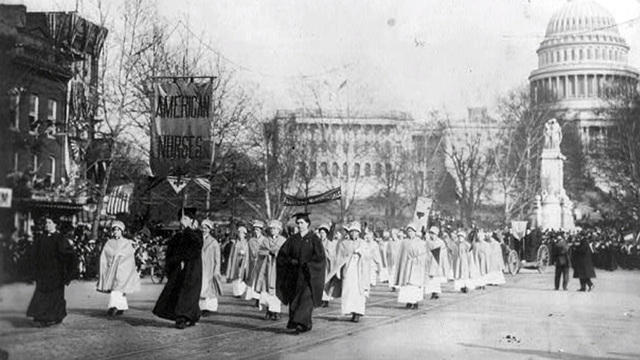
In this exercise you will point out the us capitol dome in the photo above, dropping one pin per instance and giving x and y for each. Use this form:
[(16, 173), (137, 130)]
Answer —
[(581, 62)]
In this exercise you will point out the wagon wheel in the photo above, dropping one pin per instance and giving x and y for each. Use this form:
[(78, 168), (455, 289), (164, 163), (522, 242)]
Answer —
[(543, 258), (513, 262)]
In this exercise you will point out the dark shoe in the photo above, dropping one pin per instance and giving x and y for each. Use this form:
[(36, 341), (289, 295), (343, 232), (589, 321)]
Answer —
[(355, 318), (181, 324), (393, 289), (464, 290), (257, 303), (112, 312), (275, 316), (591, 287), (205, 313), (415, 306), (301, 329), (408, 306), (267, 315), (434, 296), (119, 312), (582, 289), (325, 304)]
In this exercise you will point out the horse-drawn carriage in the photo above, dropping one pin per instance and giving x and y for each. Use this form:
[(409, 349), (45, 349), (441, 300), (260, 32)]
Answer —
[(526, 250)]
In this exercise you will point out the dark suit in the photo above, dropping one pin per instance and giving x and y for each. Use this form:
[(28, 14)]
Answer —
[(583, 264), (560, 258)]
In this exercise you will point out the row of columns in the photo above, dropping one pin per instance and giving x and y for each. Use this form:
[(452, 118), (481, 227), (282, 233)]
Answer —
[(580, 86)]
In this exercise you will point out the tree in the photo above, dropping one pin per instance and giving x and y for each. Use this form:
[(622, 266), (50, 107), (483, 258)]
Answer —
[(470, 163), (619, 160), (517, 152)]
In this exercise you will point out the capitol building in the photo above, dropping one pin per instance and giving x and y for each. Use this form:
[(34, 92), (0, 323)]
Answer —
[(582, 62)]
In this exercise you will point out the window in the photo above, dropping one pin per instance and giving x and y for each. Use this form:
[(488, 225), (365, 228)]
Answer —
[(345, 169), (33, 113), (378, 169), (52, 168), (388, 169), (367, 169), (52, 108), (323, 169), (16, 162), (356, 170), (313, 169), (335, 169), (14, 108)]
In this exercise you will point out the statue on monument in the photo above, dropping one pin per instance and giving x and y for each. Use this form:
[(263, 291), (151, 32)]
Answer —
[(552, 135)]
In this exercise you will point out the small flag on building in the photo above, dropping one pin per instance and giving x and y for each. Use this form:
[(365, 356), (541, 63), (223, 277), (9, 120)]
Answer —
[(119, 199)]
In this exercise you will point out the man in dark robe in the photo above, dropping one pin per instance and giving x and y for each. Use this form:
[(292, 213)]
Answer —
[(300, 274), (180, 296), (53, 268), (583, 264)]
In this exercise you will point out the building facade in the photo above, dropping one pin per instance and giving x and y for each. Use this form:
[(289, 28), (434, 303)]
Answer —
[(49, 73)]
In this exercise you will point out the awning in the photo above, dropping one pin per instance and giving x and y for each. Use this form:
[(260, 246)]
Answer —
[(42, 205)]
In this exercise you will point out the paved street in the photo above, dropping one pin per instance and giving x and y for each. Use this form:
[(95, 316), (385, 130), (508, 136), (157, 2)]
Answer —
[(522, 320)]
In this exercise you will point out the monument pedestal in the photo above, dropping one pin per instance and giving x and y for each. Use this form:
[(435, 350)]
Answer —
[(554, 210)]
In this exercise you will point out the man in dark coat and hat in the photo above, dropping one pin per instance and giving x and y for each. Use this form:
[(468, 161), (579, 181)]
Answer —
[(54, 264), (300, 274), (180, 296), (583, 264)]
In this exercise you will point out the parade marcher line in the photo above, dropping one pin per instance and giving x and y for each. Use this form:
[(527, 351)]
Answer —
[(277, 324)]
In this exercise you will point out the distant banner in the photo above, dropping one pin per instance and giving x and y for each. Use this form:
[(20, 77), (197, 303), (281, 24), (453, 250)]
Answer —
[(181, 128), (422, 210), (518, 229), (331, 195)]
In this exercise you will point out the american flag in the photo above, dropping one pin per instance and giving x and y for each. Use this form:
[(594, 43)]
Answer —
[(119, 199)]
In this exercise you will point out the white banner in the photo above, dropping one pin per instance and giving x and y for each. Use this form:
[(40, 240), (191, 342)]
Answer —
[(5, 197)]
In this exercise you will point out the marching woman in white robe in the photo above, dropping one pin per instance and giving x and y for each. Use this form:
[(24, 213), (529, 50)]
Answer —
[(237, 266), (495, 263), (211, 279), (351, 277), (480, 251), (461, 255), (264, 278), (330, 246), (410, 275), (252, 245), (393, 257), (376, 261), (118, 275), (435, 273)]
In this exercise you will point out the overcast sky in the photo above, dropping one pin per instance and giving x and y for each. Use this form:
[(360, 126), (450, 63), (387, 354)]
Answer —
[(395, 55)]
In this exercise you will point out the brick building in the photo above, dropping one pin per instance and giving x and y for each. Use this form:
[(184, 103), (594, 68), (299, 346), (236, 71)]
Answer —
[(48, 92)]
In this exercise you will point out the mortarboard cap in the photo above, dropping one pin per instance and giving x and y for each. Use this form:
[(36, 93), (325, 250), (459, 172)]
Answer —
[(302, 215), (188, 211)]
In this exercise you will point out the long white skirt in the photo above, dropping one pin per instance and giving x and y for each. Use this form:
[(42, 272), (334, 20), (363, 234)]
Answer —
[(495, 278), (118, 300), (272, 302), (352, 300), (432, 285), (238, 287), (458, 284), (209, 304), (251, 294), (410, 294)]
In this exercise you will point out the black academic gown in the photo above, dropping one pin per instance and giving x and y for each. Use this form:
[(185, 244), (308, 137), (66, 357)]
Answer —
[(582, 261), (53, 268), (180, 296), (300, 277)]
